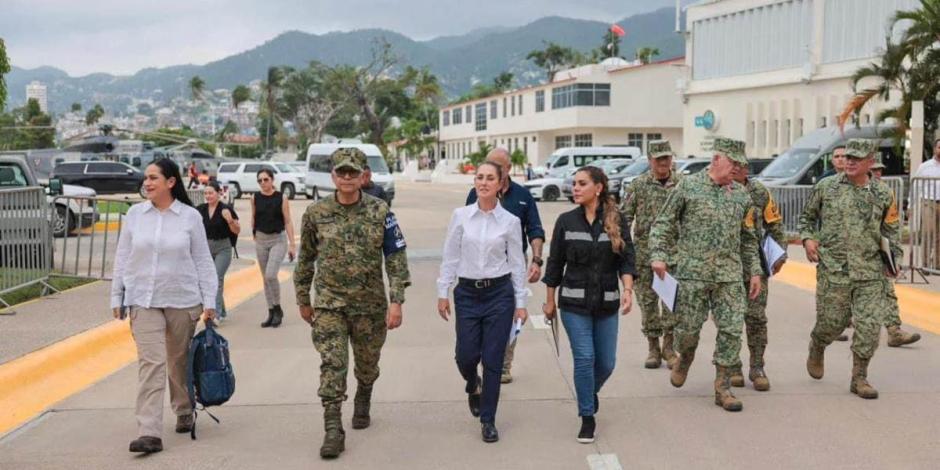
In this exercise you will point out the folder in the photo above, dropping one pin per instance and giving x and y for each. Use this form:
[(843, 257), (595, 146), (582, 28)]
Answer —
[(771, 253), (666, 289), (887, 257)]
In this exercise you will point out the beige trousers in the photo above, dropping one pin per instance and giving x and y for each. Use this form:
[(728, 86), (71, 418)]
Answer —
[(163, 336)]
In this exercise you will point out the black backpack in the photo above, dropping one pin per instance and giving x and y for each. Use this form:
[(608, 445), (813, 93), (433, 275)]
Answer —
[(210, 376)]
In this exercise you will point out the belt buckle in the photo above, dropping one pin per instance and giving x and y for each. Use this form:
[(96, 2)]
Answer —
[(479, 283)]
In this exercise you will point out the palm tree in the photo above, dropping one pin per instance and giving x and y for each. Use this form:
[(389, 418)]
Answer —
[(554, 58), (197, 86), (270, 88), (427, 92), (645, 54), (240, 94)]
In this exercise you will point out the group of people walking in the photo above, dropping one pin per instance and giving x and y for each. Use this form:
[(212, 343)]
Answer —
[(706, 230)]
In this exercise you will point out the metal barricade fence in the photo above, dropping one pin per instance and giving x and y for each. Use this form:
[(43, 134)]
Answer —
[(790, 200), (924, 225), (898, 186), (25, 239)]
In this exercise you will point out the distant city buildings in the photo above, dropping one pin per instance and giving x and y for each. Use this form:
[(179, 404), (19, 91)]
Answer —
[(37, 91)]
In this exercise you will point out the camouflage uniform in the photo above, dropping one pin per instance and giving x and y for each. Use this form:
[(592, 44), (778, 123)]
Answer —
[(341, 252), (849, 221)]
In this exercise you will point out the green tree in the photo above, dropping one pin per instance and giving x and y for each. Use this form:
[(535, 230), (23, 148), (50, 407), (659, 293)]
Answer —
[(197, 87), (240, 94), (609, 48), (270, 90), (503, 81), (518, 159), (76, 107), (478, 157), (645, 54), (4, 69), (94, 114), (310, 98), (554, 58)]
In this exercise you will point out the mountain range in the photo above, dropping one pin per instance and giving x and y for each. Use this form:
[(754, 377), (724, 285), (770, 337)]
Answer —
[(459, 61)]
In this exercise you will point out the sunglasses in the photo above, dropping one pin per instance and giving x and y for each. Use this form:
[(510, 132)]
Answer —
[(262, 180), (347, 173)]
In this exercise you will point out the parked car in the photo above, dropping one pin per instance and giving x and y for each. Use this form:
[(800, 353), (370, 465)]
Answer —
[(757, 165), (242, 178), (564, 159), (66, 214), (616, 171), (546, 189), (104, 177), (320, 167)]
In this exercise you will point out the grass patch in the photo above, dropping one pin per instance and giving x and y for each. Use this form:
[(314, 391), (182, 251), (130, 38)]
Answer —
[(113, 207), (31, 292)]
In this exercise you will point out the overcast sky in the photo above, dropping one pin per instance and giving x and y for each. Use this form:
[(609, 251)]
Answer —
[(123, 36)]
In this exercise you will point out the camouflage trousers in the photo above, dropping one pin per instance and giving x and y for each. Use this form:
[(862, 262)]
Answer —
[(864, 303), (727, 302), (657, 319), (755, 320), (892, 314), (333, 331)]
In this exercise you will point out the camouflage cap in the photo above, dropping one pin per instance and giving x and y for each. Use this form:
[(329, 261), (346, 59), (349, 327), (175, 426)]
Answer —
[(731, 148), (879, 165), (348, 157), (860, 148), (660, 148)]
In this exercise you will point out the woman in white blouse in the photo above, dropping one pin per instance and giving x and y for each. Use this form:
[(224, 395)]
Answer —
[(483, 254), (163, 272)]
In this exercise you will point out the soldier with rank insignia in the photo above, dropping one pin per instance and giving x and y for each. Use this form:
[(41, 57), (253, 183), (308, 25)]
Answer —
[(842, 227), (644, 197), (708, 222), (344, 241)]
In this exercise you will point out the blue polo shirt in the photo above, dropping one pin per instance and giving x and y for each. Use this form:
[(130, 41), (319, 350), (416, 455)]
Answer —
[(520, 203)]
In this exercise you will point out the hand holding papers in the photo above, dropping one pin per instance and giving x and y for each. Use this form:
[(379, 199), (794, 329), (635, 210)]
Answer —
[(772, 253), (888, 257), (666, 288), (515, 331)]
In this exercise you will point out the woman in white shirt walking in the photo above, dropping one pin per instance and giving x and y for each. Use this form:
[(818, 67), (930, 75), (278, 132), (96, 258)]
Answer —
[(483, 253), (164, 273)]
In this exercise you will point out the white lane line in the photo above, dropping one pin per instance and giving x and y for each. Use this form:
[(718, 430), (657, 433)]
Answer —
[(603, 462), (538, 322)]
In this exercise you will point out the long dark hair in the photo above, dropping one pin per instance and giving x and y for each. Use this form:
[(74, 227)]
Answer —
[(609, 204), (169, 169)]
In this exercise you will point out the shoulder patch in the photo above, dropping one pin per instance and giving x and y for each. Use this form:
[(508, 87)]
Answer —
[(393, 240), (749, 218), (771, 210), (891, 215)]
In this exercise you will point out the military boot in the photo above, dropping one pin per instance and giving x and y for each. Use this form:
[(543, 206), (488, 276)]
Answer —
[(736, 376), (860, 385), (669, 354), (756, 374), (898, 337), (362, 404), (815, 362), (334, 442), (655, 357), (681, 371), (723, 396)]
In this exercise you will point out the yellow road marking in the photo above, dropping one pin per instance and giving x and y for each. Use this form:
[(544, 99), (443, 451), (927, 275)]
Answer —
[(918, 307), (40, 379)]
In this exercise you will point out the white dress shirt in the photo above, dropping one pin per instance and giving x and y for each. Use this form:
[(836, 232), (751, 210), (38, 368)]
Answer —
[(483, 245), (930, 169), (163, 259)]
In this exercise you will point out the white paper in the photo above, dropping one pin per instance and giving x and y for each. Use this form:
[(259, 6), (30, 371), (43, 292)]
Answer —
[(515, 331), (772, 253), (666, 290)]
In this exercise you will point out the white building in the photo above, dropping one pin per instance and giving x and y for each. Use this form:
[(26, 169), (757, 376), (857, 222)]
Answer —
[(768, 71), (607, 104), (37, 91)]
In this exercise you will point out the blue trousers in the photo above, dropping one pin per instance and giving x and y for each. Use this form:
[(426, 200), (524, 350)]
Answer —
[(594, 349), (484, 319)]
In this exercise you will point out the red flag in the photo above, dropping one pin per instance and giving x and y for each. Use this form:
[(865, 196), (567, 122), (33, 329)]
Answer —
[(616, 29)]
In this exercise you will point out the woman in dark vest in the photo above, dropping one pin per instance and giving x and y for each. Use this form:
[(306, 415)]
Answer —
[(270, 219), (222, 228)]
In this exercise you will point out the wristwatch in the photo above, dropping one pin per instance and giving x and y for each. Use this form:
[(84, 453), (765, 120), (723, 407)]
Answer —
[(538, 261)]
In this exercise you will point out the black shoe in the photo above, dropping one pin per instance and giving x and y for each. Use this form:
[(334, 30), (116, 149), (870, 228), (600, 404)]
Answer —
[(146, 445), (586, 436), (278, 317), (270, 319), (473, 399), (490, 434), (185, 423), (597, 404)]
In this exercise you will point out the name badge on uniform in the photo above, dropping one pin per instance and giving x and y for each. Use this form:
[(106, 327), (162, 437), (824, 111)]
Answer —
[(393, 240)]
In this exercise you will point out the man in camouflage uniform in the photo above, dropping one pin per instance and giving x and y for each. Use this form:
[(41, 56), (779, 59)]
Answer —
[(642, 201), (344, 240), (708, 222), (841, 227), (769, 223)]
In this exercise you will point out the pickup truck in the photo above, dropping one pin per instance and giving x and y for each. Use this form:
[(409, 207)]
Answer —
[(16, 173)]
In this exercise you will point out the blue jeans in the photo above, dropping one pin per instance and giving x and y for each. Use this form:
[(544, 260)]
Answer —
[(594, 349)]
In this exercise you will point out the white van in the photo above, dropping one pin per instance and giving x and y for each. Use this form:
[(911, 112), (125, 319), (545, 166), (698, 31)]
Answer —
[(565, 159), (319, 168)]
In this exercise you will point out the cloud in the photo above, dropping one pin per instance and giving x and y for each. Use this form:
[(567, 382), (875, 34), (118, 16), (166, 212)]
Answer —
[(123, 37)]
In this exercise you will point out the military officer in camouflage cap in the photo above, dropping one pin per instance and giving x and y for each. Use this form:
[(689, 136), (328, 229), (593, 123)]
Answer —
[(642, 201), (841, 227), (344, 241), (708, 222), (769, 223)]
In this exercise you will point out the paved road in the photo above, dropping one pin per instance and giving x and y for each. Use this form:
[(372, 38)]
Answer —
[(420, 420)]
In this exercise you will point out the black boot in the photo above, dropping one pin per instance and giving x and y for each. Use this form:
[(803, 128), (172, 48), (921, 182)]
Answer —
[(146, 445), (586, 435), (270, 320), (278, 317)]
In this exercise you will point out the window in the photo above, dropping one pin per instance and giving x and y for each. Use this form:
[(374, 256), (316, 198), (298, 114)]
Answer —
[(110, 168), (799, 130), (12, 175), (493, 110), (563, 161), (254, 168), (583, 140), (525, 145), (762, 135), (751, 127), (445, 117), (469, 114), (458, 116), (774, 133), (481, 116), (635, 140), (229, 168), (321, 163), (785, 133), (540, 101), (653, 136), (562, 141), (581, 94), (515, 143), (513, 100), (520, 105), (504, 107), (822, 121)]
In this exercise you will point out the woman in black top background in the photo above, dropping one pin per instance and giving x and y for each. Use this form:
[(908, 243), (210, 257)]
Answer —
[(591, 251), (270, 218), (222, 228)]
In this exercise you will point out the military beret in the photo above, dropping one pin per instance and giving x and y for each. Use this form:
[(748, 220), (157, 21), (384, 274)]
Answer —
[(660, 148), (860, 148), (348, 157), (731, 148)]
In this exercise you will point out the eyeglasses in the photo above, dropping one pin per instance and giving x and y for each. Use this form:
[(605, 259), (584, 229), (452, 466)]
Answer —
[(262, 180)]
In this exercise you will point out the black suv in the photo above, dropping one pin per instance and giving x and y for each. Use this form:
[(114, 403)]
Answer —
[(103, 177)]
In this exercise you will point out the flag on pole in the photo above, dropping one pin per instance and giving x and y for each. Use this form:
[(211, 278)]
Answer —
[(616, 29)]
